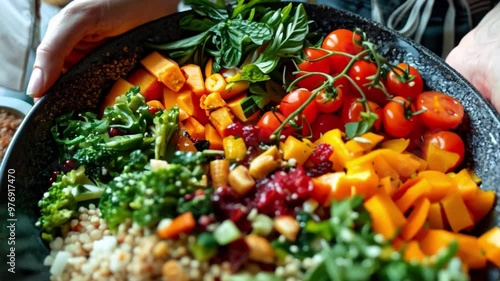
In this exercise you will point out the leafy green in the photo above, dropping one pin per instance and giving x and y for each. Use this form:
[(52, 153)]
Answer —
[(356, 129), (165, 127), (59, 204)]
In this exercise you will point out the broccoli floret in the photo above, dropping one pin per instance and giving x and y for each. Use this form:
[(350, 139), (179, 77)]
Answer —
[(59, 204), (148, 196), (198, 206)]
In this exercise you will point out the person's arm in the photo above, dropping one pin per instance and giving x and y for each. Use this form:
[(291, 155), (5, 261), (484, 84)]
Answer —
[(477, 57), (81, 26)]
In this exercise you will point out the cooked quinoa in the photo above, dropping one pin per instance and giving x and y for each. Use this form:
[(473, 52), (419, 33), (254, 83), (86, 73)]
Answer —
[(8, 126), (89, 251)]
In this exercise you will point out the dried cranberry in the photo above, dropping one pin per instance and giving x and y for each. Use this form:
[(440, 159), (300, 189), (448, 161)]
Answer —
[(237, 253), (152, 109), (319, 169), (204, 221), (321, 153), (113, 132), (234, 129), (69, 165), (53, 177), (189, 197), (250, 135), (227, 205)]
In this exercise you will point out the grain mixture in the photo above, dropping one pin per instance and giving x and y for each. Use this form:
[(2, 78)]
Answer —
[(8, 126)]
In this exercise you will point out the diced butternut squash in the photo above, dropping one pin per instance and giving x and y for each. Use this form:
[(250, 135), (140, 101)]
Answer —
[(490, 244), (398, 145), (362, 180), (456, 212), (220, 119), (190, 103), (234, 89), (387, 219), (355, 148), (169, 98), (466, 185), (383, 169), (440, 159), (287, 226), (435, 217), (120, 87), (296, 149), (413, 252), (420, 189), (156, 104), (194, 128), (480, 204), (149, 85), (326, 188), (235, 104), (341, 154), (369, 140), (194, 79), (213, 137), (416, 219), (441, 184), (404, 163), (219, 172), (234, 148), (212, 101), (165, 70)]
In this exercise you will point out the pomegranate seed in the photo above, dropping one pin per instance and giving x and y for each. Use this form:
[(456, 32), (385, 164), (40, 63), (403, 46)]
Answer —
[(321, 153), (53, 177), (113, 132), (250, 135), (152, 109), (237, 254), (204, 221), (234, 129)]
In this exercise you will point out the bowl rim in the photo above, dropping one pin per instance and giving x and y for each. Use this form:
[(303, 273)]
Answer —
[(16, 106)]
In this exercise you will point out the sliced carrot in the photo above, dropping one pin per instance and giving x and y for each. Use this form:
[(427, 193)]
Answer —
[(165, 70), (387, 219), (182, 224), (416, 219), (418, 190), (213, 137), (194, 78), (435, 216), (441, 184), (215, 83), (480, 204), (456, 212), (413, 252)]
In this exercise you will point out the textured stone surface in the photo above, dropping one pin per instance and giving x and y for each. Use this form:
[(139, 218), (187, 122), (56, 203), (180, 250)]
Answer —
[(83, 88)]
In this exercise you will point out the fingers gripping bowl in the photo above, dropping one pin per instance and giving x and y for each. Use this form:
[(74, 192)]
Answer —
[(84, 87)]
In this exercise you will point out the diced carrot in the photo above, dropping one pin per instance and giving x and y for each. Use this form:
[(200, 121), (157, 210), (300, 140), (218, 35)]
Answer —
[(330, 180), (149, 85), (165, 70), (441, 184), (466, 185), (416, 219), (435, 216), (323, 186), (190, 103), (416, 191), (470, 251), (490, 244), (387, 219), (220, 119), (413, 252), (194, 79), (213, 137), (194, 128), (156, 104), (181, 224), (120, 87), (456, 212), (480, 204)]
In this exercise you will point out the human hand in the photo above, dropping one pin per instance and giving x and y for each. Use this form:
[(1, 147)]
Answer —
[(477, 57), (83, 25)]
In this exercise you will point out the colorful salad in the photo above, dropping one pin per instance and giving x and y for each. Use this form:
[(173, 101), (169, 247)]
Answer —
[(258, 150)]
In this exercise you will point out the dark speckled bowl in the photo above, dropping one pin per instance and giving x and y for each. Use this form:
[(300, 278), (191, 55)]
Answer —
[(83, 88)]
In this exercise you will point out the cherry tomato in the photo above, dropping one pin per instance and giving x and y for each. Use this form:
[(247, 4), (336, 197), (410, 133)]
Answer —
[(398, 120), (329, 102), (351, 112), (409, 89), (359, 72), (340, 40), (296, 98), (324, 122), (448, 141), (314, 81), (441, 111), (269, 122)]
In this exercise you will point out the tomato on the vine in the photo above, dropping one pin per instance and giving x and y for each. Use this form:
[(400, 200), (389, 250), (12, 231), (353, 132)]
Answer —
[(269, 122), (398, 120), (408, 89), (329, 102), (314, 81), (351, 112), (360, 72), (294, 100), (448, 141), (341, 40), (441, 111), (324, 122)]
